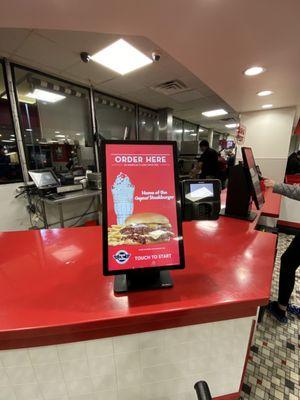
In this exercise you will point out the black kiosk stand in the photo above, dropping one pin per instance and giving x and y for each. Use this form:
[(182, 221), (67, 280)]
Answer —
[(238, 200), (243, 186)]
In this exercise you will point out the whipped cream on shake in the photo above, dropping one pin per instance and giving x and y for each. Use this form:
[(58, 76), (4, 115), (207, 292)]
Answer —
[(123, 195)]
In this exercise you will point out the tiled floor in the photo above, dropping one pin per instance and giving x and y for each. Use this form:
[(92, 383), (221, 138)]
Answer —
[(274, 365)]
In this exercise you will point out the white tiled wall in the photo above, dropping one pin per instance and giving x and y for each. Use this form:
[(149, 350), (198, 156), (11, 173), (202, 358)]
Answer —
[(160, 365)]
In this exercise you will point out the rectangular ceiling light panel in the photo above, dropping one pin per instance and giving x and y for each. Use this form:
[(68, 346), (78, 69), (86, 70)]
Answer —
[(215, 113), (121, 57), (46, 96)]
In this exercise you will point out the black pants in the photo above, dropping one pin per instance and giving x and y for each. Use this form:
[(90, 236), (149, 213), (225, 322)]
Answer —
[(290, 261)]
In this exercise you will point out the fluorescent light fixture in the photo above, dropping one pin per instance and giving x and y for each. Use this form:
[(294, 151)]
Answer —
[(264, 93), (56, 131), (267, 106), (28, 130), (78, 134), (21, 99), (7, 141), (60, 136), (12, 135), (193, 134), (200, 130), (46, 96), (121, 57), (178, 130), (254, 71), (231, 126), (215, 113)]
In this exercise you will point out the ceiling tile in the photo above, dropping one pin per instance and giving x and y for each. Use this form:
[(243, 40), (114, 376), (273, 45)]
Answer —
[(39, 49), (187, 96), (75, 41), (90, 72), (11, 39)]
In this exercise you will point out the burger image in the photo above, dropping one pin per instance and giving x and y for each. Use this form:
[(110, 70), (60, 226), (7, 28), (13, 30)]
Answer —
[(147, 228)]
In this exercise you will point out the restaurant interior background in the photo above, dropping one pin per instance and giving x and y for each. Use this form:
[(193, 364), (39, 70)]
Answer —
[(162, 101)]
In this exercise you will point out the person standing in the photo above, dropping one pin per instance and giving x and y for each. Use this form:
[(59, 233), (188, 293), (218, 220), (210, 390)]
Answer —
[(207, 165), (290, 261)]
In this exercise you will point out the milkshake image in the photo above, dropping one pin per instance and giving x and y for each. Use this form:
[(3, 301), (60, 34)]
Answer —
[(123, 193)]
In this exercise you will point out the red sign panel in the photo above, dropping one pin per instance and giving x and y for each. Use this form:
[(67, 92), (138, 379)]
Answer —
[(141, 210)]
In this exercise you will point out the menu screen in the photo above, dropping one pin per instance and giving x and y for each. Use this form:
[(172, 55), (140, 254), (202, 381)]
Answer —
[(141, 214)]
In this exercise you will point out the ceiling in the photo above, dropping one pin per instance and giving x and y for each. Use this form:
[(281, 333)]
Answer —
[(58, 52), (214, 39)]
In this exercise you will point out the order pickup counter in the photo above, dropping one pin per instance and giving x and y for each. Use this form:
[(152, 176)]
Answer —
[(64, 333)]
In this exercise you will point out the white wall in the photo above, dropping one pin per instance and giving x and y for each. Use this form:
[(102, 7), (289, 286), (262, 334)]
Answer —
[(269, 134)]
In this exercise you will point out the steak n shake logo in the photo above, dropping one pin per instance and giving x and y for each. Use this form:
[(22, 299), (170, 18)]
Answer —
[(122, 256)]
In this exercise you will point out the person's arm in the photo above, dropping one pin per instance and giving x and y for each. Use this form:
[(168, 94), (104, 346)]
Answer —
[(196, 170), (290, 191)]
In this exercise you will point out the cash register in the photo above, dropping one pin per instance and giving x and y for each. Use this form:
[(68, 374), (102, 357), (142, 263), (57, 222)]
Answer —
[(49, 185)]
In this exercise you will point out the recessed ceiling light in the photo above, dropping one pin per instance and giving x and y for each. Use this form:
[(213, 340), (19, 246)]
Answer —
[(200, 130), (12, 135), (46, 96), (267, 106), (264, 93), (60, 136), (254, 71), (121, 57), (215, 113), (78, 134), (231, 126)]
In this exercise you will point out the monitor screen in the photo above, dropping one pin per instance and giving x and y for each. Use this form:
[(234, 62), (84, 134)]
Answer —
[(44, 178), (250, 165), (200, 191), (141, 207)]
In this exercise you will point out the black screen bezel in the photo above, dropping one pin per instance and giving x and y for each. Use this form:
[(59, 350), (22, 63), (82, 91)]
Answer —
[(216, 185), (254, 193), (41, 171), (106, 271)]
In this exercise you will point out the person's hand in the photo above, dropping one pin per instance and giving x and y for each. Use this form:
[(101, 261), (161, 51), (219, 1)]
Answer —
[(269, 183)]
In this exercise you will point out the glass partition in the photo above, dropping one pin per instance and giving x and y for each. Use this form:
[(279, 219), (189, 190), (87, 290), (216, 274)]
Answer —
[(10, 168), (148, 124), (115, 118), (177, 131), (190, 131), (55, 121)]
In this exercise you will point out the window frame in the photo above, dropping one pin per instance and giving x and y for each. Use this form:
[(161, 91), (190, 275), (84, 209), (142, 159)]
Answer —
[(6, 87), (15, 66)]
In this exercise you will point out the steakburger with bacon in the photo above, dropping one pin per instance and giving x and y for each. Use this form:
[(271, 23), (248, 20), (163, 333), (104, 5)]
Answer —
[(147, 228)]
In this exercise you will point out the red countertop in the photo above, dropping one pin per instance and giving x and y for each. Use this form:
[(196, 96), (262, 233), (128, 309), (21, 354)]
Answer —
[(53, 291)]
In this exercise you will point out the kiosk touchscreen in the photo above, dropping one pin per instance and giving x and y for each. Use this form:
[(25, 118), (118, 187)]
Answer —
[(201, 199), (142, 232)]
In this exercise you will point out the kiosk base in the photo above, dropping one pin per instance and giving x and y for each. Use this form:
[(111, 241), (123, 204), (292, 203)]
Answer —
[(142, 280), (249, 217)]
